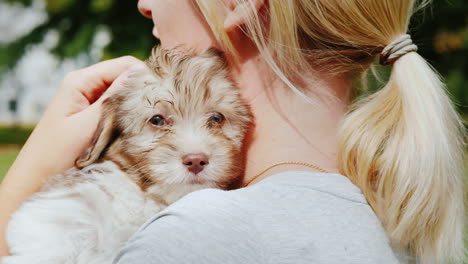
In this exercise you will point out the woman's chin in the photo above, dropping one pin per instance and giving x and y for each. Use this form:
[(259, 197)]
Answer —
[(155, 33)]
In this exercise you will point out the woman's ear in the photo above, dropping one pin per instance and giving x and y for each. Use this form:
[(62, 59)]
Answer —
[(239, 11), (106, 133)]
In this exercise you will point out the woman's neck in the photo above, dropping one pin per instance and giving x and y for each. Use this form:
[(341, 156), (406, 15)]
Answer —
[(287, 127)]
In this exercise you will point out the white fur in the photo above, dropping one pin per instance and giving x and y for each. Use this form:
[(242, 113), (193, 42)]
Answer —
[(85, 223)]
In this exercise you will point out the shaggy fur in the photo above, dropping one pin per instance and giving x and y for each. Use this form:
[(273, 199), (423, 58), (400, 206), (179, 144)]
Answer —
[(134, 167)]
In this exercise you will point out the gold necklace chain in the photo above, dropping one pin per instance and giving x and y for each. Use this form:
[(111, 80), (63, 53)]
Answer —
[(285, 163)]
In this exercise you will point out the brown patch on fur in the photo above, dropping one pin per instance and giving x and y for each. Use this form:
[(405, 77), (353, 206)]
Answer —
[(158, 198), (134, 167), (107, 132), (117, 162), (236, 171)]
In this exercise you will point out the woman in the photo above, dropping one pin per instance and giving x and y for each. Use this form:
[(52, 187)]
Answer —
[(295, 62)]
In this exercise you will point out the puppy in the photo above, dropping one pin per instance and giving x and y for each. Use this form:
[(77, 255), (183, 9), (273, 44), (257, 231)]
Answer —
[(175, 128)]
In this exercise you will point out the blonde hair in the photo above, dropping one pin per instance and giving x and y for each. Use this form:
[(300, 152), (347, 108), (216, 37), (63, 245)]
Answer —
[(403, 145)]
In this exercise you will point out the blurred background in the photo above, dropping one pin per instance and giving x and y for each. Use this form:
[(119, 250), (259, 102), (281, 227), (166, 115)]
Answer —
[(41, 40)]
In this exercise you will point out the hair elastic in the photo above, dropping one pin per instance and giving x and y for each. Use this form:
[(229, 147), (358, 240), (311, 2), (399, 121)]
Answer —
[(397, 48)]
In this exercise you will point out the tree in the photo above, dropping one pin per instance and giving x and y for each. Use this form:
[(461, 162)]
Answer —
[(441, 32), (77, 21)]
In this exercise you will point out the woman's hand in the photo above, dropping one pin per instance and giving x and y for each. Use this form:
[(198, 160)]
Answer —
[(62, 134)]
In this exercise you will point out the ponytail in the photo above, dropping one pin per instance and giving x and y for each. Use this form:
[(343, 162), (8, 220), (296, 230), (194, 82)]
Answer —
[(403, 146)]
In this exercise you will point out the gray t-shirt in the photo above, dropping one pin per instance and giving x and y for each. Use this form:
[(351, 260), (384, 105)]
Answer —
[(291, 217)]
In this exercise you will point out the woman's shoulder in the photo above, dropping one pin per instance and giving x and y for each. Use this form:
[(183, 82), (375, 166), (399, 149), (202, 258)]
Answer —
[(298, 191), (307, 217), (288, 182), (294, 194), (309, 183)]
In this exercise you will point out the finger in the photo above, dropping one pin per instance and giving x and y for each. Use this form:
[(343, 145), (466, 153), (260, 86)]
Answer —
[(94, 80), (124, 80), (118, 83)]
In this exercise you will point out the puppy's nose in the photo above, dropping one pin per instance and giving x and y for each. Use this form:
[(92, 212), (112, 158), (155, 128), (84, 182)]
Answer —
[(195, 162)]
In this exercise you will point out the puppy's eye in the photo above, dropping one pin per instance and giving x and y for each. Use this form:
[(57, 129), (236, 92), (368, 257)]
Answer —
[(217, 118), (158, 120)]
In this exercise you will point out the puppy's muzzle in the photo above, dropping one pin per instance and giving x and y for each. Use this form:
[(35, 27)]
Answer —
[(195, 162)]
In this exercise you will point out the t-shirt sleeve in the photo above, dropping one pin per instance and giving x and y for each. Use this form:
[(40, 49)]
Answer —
[(203, 227)]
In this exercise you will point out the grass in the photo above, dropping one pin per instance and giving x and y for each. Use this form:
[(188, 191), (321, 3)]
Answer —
[(8, 154), (14, 135), (11, 139)]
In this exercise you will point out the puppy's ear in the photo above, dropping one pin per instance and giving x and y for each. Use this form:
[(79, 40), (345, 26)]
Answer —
[(106, 133)]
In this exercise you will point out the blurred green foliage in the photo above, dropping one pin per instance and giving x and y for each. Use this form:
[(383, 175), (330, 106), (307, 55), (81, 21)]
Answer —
[(14, 135), (11, 140), (6, 159), (23, 2), (77, 21), (440, 31)]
